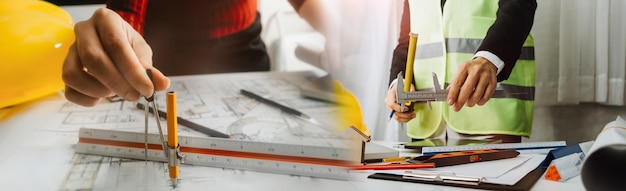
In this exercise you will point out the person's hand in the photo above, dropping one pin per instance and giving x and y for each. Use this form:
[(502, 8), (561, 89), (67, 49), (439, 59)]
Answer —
[(400, 115), (109, 58), (474, 83)]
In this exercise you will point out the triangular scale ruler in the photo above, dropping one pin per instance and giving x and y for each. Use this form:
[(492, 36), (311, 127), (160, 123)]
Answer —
[(304, 160)]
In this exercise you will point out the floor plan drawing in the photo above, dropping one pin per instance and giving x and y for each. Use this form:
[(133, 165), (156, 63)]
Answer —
[(216, 103), (213, 101)]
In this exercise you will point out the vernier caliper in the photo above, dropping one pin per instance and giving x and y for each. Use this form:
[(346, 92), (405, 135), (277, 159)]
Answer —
[(438, 94)]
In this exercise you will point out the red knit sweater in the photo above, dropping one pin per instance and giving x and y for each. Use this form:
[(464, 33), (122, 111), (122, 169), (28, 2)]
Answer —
[(205, 18)]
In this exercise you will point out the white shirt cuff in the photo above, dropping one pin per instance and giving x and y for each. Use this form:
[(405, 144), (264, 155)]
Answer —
[(392, 83), (492, 58)]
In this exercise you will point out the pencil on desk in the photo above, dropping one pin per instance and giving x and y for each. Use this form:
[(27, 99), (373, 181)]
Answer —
[(282, 107), (172, 135), (191, 124), (391, 159)]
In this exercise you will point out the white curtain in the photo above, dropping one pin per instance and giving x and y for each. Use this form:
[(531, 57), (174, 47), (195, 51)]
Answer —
[(369, 34), (580, 51)]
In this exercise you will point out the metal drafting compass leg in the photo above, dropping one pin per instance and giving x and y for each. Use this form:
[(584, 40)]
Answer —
[(150, 101), (145, 143)]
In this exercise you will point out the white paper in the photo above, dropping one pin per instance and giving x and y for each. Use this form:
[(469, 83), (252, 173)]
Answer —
[(491, 169), (517, 173)]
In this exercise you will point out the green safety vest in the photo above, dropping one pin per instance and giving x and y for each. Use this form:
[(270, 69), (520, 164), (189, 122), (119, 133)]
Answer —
[(445, 40)]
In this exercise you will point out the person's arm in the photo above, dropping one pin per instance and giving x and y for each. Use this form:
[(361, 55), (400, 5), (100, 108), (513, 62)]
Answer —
[(323, 16), (508, 33), (475, 80), (398, 62)]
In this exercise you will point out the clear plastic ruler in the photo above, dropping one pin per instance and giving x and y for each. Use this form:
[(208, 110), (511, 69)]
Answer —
[(528, 147), (293, 159)]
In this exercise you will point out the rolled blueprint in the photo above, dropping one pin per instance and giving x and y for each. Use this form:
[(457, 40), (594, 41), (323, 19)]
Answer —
[(605, 165)]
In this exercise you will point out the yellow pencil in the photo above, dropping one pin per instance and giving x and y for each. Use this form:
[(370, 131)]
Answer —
[(410, 59), (398, 159), (392, 159), (172, 133)]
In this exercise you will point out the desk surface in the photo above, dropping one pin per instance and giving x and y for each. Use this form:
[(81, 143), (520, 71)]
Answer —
[(35, 157)]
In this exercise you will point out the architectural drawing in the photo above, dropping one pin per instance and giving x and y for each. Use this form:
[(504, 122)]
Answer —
[(213, 101)]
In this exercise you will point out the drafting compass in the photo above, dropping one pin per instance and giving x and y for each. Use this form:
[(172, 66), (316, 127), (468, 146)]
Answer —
[(172, 156), (438, 94)]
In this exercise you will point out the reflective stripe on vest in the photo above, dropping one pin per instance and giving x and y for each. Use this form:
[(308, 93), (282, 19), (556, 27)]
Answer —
[(459, 45), (461, 26)]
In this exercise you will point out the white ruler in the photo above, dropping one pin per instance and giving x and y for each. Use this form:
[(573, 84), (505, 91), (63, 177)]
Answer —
[(316, 161), (529, 147)]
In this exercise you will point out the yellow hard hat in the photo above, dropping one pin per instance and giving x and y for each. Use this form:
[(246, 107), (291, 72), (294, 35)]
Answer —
[(34, 39), (349, 109)]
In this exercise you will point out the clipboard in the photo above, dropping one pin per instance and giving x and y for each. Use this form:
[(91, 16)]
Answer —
[(525, 183)]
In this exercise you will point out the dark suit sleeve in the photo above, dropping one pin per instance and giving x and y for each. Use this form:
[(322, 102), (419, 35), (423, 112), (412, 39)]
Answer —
[(398, 62), (508, 33)]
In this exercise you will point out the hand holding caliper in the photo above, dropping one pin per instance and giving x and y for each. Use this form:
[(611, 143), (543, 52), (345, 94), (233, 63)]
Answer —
[(438, 94)]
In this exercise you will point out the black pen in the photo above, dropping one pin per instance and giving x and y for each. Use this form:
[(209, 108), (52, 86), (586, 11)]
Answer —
[(190, 124), (280, 106)]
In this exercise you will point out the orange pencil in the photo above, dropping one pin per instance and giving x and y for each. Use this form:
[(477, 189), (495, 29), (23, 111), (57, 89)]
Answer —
[(172, 134)]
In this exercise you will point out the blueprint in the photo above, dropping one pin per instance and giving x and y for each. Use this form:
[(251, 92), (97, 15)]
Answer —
[(215, 101), (90, 172), (210, 100)]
